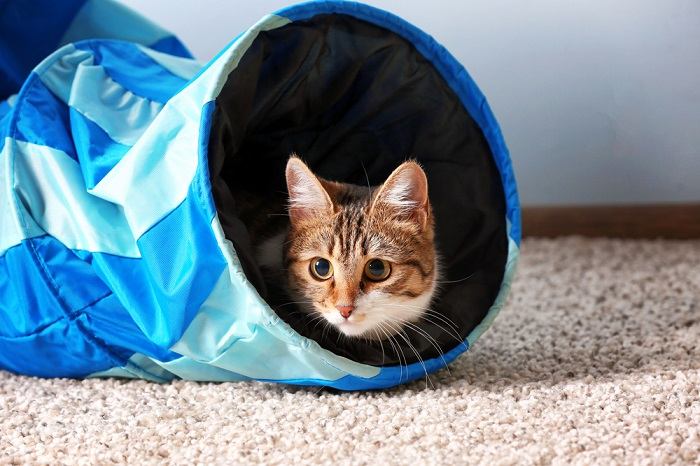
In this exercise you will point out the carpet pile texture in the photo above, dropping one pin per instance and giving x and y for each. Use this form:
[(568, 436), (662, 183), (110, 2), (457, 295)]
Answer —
[(595, 359)]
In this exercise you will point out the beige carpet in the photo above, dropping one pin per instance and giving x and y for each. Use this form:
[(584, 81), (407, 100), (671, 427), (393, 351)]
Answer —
[(594, 360)]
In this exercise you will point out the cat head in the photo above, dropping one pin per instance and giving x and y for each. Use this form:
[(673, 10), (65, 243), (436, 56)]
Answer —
[(361, 258)]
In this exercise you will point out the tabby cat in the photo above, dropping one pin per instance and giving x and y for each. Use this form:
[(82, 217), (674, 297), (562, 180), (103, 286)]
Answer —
[(360, 258)]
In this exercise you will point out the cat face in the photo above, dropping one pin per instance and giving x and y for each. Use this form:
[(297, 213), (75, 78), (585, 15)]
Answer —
[(361, 258)]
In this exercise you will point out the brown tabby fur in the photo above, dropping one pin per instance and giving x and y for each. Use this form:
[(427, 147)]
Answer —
[(357, 224)]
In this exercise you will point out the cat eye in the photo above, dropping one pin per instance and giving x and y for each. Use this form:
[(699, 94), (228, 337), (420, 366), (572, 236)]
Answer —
[(377, 270), (321, 268)]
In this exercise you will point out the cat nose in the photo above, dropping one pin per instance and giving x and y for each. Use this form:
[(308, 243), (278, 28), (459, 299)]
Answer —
[(345, 310)]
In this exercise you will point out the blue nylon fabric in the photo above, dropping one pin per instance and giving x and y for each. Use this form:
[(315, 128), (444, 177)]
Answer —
[(23, 307), (4, 109), (63, 349), (74, 313), (111, 322), (66, 297), (4, 124), (388, 376), (29, 31), (126, 64), (180, 264), (201, 185), (97, 152), (43, 331), (171, 45), (41, 118)]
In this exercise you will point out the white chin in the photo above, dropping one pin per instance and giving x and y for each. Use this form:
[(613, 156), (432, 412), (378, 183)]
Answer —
[(351, 329)]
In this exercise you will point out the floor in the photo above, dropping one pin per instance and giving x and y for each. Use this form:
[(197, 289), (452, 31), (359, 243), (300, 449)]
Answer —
[(595, 359)]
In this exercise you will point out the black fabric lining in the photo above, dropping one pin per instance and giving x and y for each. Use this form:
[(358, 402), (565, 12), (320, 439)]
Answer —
[(345, 94)]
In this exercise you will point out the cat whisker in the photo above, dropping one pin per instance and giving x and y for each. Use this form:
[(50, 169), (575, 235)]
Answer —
[(444, 319), (394, 347), (400, 332), (381, 345), (325, 329), (318, 319), (443, 282), (430, 340), (450, 330), (294, 302), (369, 187), (423, 313)]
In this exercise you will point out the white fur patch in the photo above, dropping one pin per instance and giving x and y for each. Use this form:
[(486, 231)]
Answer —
[(377, 313)]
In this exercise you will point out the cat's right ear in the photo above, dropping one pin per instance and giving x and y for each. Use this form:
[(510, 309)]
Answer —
[(307, 197)]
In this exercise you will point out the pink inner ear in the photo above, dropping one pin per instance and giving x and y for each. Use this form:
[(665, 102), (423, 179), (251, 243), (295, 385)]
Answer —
[(307, 197)]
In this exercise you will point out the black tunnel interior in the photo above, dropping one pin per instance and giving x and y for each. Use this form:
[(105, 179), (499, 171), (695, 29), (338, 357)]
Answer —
[(345, 94)]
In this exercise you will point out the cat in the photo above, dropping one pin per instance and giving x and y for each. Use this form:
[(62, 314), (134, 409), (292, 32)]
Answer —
[(363, 259)]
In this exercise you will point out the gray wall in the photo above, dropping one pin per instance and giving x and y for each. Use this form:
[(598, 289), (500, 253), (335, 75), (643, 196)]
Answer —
[(599, 100)]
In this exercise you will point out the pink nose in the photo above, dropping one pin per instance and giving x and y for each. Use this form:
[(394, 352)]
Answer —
[(345, 311)]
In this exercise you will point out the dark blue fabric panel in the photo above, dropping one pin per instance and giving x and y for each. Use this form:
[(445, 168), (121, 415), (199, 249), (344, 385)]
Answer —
[(111, 323), (40, 333), (71, 280), (171, 45), (29, 31), (48, 292), (181, 262), (62, 349), (41, 118), (201, 185), (26, 303), (97, 152), (5, 117), (4, 109), (388, 376), (74, 281), (133, 69)]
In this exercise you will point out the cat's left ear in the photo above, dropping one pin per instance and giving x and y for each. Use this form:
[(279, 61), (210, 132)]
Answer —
[(405, 194), (307, 197)]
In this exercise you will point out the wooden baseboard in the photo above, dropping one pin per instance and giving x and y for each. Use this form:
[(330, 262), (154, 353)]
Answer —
[(673, 221)]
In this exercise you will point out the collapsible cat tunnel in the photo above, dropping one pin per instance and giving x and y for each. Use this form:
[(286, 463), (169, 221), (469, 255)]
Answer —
[(120, 250)]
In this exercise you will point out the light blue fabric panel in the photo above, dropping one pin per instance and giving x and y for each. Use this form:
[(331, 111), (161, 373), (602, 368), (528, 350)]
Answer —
[(57, 72), (123, 117), (122, 114), (138, 367), (52, 188), (15, 222), (185, 68)]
